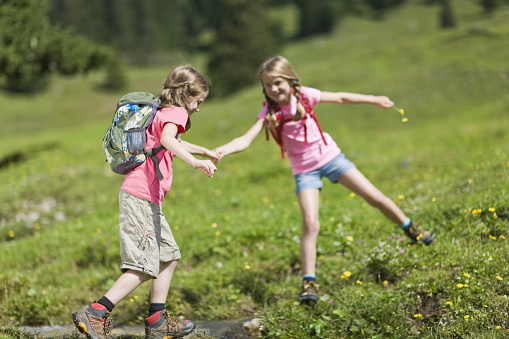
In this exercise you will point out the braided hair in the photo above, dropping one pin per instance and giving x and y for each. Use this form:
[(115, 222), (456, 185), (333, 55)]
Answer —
[(182, 85), (279, 66)]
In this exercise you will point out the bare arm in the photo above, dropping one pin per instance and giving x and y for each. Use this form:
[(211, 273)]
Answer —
[(344, 98), (241, 143), (204, 152), (173, 145)]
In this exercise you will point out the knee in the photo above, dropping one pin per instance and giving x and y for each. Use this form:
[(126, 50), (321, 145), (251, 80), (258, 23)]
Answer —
[(311, 225)]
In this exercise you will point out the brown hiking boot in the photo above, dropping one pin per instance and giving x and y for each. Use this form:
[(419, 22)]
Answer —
[(417, 235), (95, 324), (167, 327)]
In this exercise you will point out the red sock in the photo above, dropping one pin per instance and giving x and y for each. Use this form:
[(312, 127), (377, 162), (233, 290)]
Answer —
[(154, 317), (97, 306)]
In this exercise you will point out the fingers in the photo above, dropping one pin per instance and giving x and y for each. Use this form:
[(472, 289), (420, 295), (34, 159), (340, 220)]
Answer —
[(207, 167)]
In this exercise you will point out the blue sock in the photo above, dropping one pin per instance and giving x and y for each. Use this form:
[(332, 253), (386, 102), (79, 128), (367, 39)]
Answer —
[(407, 223), (309, 277)]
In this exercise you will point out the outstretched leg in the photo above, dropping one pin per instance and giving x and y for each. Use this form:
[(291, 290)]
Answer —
[(355, 181)]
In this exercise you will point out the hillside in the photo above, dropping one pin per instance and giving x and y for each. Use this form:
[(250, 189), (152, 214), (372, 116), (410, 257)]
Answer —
[(447, 167)]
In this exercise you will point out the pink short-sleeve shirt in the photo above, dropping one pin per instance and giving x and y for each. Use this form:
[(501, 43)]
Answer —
[(304, 156), (142, 181)]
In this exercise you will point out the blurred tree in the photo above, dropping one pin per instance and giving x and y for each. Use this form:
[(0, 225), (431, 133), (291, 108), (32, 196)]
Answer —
[(115, 77), (243, 42), (380, 7), (489, 5), (30, 48), (446, 14), (315, 16)]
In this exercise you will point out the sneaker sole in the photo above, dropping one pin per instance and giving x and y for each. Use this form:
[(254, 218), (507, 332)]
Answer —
[(175, 336), (80, 325), (308, 299), (429, 240)]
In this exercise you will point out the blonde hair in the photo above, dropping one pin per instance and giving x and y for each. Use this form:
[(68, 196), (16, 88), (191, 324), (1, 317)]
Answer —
[(279, 66), (182, 85)]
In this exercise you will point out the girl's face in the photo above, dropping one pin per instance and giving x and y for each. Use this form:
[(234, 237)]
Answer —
[(277, 88), (194, 104)]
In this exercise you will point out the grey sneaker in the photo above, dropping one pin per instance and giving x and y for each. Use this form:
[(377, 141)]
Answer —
[(167, 327), (95, 324), (417, 235)]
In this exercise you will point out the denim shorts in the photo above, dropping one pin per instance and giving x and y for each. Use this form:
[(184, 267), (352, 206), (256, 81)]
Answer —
[(333, 170)]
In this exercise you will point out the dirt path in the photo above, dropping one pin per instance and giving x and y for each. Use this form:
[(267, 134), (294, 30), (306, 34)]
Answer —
[(224, 329)]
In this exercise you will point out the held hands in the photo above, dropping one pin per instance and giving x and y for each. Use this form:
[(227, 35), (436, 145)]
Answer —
[(212, 155), (206, 166), (222, 151)]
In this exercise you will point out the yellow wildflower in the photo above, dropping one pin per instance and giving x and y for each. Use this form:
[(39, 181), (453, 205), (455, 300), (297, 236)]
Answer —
[(459, 286), (404, 120), (359, 282), (418, 315), (466, 275), (349, 238), (448, 302), (501, 236), (499, 277), (346, 274), (466, 317), (491, 209), (492, 237), (247, 267)]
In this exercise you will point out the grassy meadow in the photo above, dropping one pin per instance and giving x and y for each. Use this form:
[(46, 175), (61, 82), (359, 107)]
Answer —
[(239, 232)]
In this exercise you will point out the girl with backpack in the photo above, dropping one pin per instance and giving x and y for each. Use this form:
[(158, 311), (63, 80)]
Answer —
[(288, 114), (147, 247)]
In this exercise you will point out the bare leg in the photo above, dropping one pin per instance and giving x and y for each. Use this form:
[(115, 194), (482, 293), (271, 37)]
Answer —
[(308, 200), (161, 285), (355, 181), (125, 284)]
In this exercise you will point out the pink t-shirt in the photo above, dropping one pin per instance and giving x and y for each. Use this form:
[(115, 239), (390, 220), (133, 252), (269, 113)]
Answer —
[(142, 181), (304, 157)]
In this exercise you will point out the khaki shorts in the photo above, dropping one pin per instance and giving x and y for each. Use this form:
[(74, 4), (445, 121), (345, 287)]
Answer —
[(145, 236)]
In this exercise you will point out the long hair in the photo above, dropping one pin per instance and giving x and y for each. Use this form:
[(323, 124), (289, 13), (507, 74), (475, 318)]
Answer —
[(279, 66), (182, 85)]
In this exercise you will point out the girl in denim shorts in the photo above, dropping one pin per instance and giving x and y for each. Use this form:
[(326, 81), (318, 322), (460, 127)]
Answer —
[(288, 114), (147, 247)]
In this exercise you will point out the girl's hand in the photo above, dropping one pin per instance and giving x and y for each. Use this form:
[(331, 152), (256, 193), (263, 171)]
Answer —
[(221, 152), (206, 166), (212, 155), (383, 102)]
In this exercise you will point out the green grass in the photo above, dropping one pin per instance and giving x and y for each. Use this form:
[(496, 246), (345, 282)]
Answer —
[(447, 167)]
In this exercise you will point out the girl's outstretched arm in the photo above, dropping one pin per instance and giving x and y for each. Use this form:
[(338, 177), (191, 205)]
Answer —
[(204, 152), (241, 143), (344, 98), (173, 145)]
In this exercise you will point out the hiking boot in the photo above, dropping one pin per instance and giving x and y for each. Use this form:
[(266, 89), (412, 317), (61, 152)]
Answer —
[(167, 327), (309, 292), (95, 324), (417, 235)]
